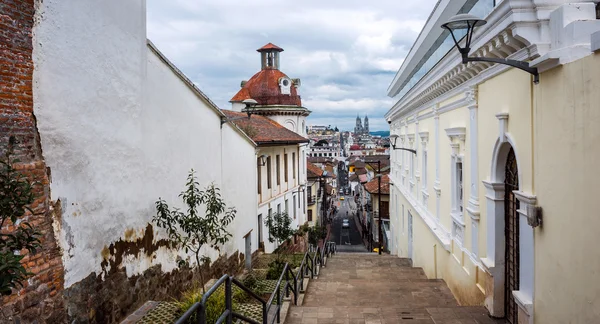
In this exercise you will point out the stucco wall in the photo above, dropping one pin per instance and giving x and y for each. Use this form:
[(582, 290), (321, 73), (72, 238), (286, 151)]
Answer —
[(119, 129), (278, 194), (239, 186), (567, 114)]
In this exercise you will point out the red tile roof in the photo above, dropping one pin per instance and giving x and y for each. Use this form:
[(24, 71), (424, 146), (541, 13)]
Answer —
[(264, 88), (270, 46), (373, 185), (313, 171), (329, 189), (264, 131)]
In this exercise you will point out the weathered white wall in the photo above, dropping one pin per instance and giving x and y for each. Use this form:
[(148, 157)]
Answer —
[(239, 186), (270, 198), (119, 129)]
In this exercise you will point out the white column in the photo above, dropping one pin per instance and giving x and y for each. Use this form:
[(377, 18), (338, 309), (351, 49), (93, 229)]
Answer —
[(416, 158), (473, 204), (436, 183)]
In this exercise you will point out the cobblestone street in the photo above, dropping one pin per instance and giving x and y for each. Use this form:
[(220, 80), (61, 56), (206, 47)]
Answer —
[(368, 288)]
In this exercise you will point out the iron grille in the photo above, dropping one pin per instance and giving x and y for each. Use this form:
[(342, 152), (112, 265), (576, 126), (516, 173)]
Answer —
[(511, 234)]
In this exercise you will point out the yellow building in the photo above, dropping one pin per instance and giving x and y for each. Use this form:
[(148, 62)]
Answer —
[(499, 198)]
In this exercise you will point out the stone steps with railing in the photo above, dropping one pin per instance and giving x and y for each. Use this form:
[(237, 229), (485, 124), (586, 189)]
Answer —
[(291, 287)]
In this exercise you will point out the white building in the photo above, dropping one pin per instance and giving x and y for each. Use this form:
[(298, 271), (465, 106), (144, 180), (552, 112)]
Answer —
[(278, 129)]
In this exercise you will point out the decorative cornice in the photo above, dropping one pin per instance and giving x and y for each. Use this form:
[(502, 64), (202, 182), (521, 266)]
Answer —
[(424, 137), (455, 133), (516, 29)]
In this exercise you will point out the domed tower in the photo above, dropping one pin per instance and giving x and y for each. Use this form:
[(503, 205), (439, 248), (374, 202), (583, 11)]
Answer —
[(276, 93)]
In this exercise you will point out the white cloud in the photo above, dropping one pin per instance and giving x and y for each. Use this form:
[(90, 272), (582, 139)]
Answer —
[(345, 51)]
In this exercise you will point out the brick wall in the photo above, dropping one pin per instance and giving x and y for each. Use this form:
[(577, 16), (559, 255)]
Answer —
[(41, 298)]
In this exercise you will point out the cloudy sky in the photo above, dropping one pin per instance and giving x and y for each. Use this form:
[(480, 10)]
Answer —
[(346, 52)]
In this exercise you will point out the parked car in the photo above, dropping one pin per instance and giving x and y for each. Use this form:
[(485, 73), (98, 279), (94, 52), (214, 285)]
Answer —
[(345, 223)]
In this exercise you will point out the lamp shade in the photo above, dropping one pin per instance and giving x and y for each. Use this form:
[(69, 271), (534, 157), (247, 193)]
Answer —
[(463, 21), (393, 139)]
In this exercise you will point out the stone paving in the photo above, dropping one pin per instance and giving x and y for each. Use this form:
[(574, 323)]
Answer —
[(377, 289)]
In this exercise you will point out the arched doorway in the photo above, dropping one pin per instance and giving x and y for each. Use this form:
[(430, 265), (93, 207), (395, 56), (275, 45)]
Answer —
[(511, 237)]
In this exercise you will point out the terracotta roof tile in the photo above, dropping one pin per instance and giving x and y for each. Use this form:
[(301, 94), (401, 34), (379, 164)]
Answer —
[(313, 171), (264, 88), (270, 46), (264, 131), (373, 185)]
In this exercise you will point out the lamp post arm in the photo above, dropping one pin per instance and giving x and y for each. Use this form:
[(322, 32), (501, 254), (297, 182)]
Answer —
[(405, 149), (514, 63)]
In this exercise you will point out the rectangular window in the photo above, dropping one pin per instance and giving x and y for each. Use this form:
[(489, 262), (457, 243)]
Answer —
[(294, 199), (293, 165), (270, 215), (269, 176), (403, 227), (259, 175), (412, 167), (287, 210), (285, 167), (310, 215), (459, 187), (278, 208), (424, 170), (278, 169)]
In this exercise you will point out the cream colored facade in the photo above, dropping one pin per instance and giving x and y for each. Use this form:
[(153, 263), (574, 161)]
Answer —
[(465, 121)]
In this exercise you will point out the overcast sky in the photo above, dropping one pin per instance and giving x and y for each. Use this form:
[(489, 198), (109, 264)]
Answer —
[(345, 52)]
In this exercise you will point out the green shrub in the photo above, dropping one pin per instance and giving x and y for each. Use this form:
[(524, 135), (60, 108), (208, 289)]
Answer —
[(215, 306), (275, 269)]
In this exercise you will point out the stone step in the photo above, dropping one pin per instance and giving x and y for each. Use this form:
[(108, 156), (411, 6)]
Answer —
[(371, 288)]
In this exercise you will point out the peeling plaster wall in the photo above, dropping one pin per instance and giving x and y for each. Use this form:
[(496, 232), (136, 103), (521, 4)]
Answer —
[(89, 81), (119, 129)]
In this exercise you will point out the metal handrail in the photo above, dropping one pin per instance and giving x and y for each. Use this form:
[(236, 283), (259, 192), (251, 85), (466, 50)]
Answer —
[(308, 264), (277, 293), (199, 307)]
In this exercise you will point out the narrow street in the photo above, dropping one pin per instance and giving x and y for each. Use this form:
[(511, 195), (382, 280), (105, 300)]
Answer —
[(346, 239)]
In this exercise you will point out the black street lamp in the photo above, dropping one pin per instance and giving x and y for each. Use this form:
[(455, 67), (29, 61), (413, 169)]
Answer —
[(469, 22), (250, 103), (393, 139)]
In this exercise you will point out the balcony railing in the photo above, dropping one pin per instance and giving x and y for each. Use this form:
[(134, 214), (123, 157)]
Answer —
[(312, 200), (384, 215)]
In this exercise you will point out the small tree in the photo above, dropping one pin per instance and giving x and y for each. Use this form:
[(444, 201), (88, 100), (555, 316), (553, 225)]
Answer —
[(15, 197), (314, 234), (192, 230), (280, 229)]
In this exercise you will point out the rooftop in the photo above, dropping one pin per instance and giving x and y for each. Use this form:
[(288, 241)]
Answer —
[(373, 185), (264, 131)]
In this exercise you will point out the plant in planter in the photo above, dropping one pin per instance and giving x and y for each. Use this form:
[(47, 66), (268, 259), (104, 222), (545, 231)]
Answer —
[(15, 197), (280, 230), (192, 230)]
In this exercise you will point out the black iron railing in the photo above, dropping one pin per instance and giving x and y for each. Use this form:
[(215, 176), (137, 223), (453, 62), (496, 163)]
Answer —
[(288, 282), (199, 308)]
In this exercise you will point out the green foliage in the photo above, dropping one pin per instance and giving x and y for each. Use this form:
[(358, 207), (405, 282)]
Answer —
[(253, 282), (275, 269), (280, 227), (314, 234), (215, 305), (191, 230), (15, 196)]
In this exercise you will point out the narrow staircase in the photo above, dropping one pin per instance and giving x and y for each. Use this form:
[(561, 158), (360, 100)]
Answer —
[(370, 288)]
